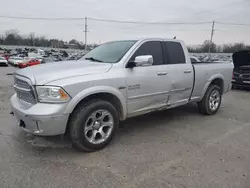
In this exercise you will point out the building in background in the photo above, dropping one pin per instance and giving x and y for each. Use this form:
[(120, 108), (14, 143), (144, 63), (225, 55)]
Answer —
[(56, 43)]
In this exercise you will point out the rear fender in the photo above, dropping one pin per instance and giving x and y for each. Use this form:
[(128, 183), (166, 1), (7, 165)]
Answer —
[(209, 81)]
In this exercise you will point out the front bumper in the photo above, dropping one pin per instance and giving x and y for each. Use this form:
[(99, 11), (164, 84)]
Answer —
[(241, 83), (40, 119), (3, 64)]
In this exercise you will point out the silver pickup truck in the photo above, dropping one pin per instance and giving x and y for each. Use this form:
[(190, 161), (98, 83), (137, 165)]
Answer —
[(88, 98)]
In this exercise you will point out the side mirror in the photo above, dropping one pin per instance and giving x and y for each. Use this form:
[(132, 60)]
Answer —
[(142, 60)]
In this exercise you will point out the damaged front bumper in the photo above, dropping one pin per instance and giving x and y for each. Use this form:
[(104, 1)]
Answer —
[(41, 118)]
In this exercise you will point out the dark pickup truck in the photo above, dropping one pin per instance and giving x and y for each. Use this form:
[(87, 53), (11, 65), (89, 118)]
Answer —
[(241, 73)]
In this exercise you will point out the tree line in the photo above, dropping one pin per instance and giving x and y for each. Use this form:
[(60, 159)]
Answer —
[(12, 37), (214, 48)]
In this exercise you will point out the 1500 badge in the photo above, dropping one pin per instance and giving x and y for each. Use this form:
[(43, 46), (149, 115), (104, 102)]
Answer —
[(135, 86)]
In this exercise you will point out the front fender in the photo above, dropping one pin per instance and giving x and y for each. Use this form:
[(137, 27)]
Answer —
[(95, 90), (209, 80)]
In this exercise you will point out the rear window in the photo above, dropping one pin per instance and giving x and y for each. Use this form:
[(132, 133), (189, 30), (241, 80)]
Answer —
[(174, 53)]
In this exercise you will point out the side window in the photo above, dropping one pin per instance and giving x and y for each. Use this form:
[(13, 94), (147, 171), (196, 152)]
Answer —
[(173, 53), (150, 48)]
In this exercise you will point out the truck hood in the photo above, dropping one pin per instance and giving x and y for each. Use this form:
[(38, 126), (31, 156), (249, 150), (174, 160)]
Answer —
[(241, 58), (45, 73)]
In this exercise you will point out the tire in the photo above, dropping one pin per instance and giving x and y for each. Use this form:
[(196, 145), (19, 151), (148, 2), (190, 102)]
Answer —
[(205, 107), (83, 125)]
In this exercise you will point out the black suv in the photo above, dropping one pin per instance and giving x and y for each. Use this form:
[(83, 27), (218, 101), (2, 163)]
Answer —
[(241, 74)]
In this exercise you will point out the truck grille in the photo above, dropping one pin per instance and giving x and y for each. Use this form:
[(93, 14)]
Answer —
[(246, 76), (241, 75), (24, 90), (22, 84)]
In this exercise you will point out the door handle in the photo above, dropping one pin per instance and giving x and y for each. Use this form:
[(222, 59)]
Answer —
[(162, 73), (187, 71)]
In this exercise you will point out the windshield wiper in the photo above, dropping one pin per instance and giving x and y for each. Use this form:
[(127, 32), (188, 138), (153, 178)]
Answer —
[(93, 59)]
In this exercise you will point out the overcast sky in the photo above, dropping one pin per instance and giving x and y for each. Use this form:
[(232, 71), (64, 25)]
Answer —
[(236, 11)]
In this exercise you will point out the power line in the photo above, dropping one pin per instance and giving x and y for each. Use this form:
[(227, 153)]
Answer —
[(153, 23), (235, 24), (104, 20), (40, 18), (120, 21)]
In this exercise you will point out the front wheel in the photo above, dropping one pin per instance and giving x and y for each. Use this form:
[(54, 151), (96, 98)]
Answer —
[(92, 125), (211, 101)]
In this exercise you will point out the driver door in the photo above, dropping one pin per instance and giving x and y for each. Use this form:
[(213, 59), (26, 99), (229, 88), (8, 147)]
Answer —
[(147, 86)]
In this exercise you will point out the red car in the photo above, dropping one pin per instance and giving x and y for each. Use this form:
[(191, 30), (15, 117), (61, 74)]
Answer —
[(29, 63)]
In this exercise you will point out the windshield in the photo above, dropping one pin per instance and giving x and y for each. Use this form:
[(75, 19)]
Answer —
[(2, 58), (110, 52)]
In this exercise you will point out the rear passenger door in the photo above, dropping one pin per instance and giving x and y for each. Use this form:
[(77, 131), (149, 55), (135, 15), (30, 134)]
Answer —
[(180, 73)]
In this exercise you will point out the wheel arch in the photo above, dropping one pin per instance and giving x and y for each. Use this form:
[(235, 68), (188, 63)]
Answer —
[(218, 80), (110, 94)]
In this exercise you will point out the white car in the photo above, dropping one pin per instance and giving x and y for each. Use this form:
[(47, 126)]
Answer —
[(16, 60), (3, 61)]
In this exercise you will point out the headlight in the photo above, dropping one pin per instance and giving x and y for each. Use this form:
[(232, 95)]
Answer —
[(51, 94)]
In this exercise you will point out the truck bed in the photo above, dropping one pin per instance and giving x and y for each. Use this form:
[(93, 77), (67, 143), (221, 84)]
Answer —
[(206, 72)]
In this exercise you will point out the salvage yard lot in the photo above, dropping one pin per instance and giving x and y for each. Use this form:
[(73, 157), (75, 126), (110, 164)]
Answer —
[(174, 148)]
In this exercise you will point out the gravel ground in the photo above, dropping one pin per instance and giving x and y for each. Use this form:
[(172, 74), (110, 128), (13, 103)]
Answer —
[(177, 148)]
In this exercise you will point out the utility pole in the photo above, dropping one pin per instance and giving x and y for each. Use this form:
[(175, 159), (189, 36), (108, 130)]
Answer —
[(86, 30), (211, 39)]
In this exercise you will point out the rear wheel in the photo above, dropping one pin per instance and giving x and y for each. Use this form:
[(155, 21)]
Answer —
[(92, 125), (211, 101)]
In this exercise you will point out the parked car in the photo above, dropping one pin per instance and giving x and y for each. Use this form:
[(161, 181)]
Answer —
[(73, 57), (3, 61), (87, 98), (76, 56), (195, 59), (15, 60), (56, 58), (29, 63), (47, 60), (6, 56), (241, 74)]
